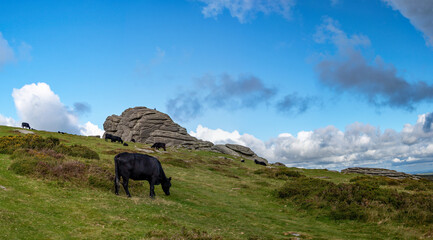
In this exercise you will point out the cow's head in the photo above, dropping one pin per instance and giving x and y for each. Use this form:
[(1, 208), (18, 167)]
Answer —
[(166, 186)]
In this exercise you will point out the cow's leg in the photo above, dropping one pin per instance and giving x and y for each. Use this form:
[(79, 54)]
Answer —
[(125, 186), (116, 185), (152, 187)]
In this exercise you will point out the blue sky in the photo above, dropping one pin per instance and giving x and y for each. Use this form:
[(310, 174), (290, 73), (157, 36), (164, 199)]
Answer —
[(285, 77)]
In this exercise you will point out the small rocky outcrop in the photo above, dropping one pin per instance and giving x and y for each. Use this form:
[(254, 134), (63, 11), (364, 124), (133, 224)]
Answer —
[(238, 151), (378, 172), (149, 126)]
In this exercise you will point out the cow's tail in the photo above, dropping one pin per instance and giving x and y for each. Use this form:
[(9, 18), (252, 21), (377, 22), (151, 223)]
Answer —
[(116, 171)]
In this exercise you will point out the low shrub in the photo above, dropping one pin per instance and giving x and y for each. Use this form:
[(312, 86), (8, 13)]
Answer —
[(177, 162), (362, 200), (54, 166), (9, 144), (50, 145), (279, 172), (77, 151)]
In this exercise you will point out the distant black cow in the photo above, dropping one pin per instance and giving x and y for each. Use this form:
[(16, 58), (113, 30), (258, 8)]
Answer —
[(259, 162), (138, 166), (133, 140), (25, 125), (113, 138), (61, 132), (125, 144), (159, 145)]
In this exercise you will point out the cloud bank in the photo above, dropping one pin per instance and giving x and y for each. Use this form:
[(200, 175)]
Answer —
[(244, 10), (419, 13), (38, 105), (373, 79), (328, 147)]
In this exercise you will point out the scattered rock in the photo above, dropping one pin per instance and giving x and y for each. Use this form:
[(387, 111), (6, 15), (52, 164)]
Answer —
[(378, 172), (240, 149), (279, 164), (225, 150), (2, 187)]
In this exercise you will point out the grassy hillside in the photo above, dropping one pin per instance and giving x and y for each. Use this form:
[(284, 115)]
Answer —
[(62, 190)]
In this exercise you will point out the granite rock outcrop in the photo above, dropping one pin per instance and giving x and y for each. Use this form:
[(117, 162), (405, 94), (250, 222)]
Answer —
[(148, 126)]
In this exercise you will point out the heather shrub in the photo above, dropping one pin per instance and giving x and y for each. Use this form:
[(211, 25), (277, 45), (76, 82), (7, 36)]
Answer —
[(77, 151), (9, 144), (362, 200), (278, 172)]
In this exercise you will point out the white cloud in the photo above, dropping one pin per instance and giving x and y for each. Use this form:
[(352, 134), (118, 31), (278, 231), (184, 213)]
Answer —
[(90, 129), (6, 52), (244, 10), (8, 121), (38, 105), (419, 13), (328, 147)]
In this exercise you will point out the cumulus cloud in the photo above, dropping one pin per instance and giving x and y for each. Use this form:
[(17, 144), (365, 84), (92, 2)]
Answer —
[(185, 106), (6, 52), (8, 121), (90, 129), (244, 10), (81, 108), (295, 104), (377, 81), (419, 13), (328, 147), (38, 105), (219, 92)]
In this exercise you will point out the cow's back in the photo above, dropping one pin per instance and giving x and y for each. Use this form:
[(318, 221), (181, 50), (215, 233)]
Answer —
[(137, 166)]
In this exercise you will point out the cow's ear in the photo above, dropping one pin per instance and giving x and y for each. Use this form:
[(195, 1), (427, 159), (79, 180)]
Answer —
[(169, 179)]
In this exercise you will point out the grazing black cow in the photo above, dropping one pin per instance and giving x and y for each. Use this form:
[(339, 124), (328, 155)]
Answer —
[(133, 140), (113, 138), (61, 132), (259, 162), (159, 145), (125, 144), (138, 166), (25, 125)]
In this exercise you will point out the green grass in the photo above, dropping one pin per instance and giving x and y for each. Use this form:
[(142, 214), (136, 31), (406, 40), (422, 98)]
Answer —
[(213, 196)]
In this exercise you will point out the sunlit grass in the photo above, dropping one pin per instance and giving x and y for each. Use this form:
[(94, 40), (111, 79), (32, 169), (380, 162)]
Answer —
[(214, 196)]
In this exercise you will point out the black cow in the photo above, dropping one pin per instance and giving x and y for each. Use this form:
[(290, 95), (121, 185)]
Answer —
[(125, 144), (259, 162), (113, 138), (159, 145), (25, 125), (138, 166)]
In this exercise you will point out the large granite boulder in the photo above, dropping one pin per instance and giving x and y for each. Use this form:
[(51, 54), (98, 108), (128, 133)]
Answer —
[(148, 126)]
